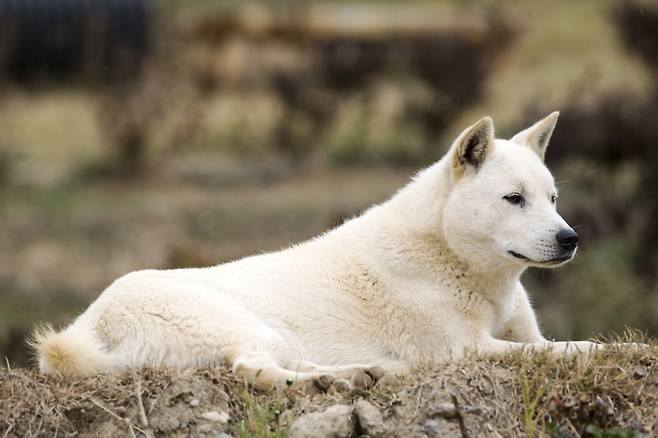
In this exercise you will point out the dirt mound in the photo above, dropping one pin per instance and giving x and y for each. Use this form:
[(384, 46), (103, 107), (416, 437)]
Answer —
[(615, 391)]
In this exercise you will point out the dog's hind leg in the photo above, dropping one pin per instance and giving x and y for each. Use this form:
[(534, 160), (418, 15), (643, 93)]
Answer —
[(152, 319)]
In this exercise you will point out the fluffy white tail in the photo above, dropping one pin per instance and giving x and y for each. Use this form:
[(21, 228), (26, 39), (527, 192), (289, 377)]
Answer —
[(74, 351)]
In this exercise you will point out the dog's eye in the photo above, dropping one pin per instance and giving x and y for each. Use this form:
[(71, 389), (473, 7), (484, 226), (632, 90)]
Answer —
[(553, 199), (515, 198)]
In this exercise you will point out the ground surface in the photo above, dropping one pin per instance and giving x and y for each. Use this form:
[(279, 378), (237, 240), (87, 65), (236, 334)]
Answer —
[(615, 391)]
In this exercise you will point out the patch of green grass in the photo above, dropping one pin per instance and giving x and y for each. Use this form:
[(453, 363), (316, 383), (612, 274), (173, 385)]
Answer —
[(260, 418), (614, 432), (531, 394), (587, 394)]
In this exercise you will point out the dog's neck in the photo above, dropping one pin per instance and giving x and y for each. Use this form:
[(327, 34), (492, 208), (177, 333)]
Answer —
[(406, 235), (413, 258)]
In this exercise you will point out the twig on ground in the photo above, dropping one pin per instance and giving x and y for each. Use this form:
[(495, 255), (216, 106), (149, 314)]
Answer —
[(140, 404), (154, 401), (9, 429), (131, 427), (460, 416)]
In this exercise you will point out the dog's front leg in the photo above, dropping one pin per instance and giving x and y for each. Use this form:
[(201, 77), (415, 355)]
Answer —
[(491, 345), (522, 325)]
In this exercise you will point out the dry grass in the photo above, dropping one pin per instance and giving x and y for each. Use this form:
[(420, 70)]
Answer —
[(520, 394)]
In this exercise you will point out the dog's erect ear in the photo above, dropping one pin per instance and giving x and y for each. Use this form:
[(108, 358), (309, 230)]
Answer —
[(538, 135), (472, 146)]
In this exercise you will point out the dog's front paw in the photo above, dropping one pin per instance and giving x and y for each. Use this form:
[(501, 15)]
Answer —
[(314, 386), (633, 346), (572, 347), (353, 378), (577, 347)]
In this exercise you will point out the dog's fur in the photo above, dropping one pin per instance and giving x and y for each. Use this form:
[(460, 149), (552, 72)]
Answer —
[(422, 278)]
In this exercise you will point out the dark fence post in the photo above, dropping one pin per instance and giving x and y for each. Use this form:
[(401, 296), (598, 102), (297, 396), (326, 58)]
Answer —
[(64, 39)]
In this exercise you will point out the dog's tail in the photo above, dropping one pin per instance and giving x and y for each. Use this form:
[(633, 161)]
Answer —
[(73, 351)]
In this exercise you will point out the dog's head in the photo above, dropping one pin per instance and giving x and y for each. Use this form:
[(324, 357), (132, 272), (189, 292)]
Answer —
[(501, 209)]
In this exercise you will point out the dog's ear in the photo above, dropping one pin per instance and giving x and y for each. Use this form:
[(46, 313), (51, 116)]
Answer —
[(472, 146), (538, 135)]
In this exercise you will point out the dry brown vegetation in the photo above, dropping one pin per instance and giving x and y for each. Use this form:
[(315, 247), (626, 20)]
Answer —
[(613, 392)]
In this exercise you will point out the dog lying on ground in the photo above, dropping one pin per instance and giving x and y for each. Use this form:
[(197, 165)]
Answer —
[(422, 278)]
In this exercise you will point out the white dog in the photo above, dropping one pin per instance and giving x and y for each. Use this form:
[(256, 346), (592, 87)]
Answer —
[(422, 278)]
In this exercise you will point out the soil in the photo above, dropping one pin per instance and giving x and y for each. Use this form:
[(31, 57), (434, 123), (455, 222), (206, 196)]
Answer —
[(521, 394)]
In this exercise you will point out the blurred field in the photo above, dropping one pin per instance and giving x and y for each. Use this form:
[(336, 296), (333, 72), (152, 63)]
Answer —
[(251, 128)]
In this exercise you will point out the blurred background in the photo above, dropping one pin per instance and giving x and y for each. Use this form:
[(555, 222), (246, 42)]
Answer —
[(163, 134)]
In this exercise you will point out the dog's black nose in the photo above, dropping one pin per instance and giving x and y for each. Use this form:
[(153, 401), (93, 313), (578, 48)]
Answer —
[(568, 239)]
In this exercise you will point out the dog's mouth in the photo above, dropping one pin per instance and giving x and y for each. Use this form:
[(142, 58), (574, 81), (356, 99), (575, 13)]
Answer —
[(551, 262)]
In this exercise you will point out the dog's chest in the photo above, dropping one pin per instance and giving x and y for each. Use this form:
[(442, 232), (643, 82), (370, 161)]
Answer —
[(491, 302)]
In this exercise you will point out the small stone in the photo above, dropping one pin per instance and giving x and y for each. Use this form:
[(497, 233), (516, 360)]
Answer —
[(444, 410), (333, 422), (473, 410), (286, 418), (219, 417), (165, 420), (369, 418), (432, 428), (194, 402), (639, 372), (205, 428)]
